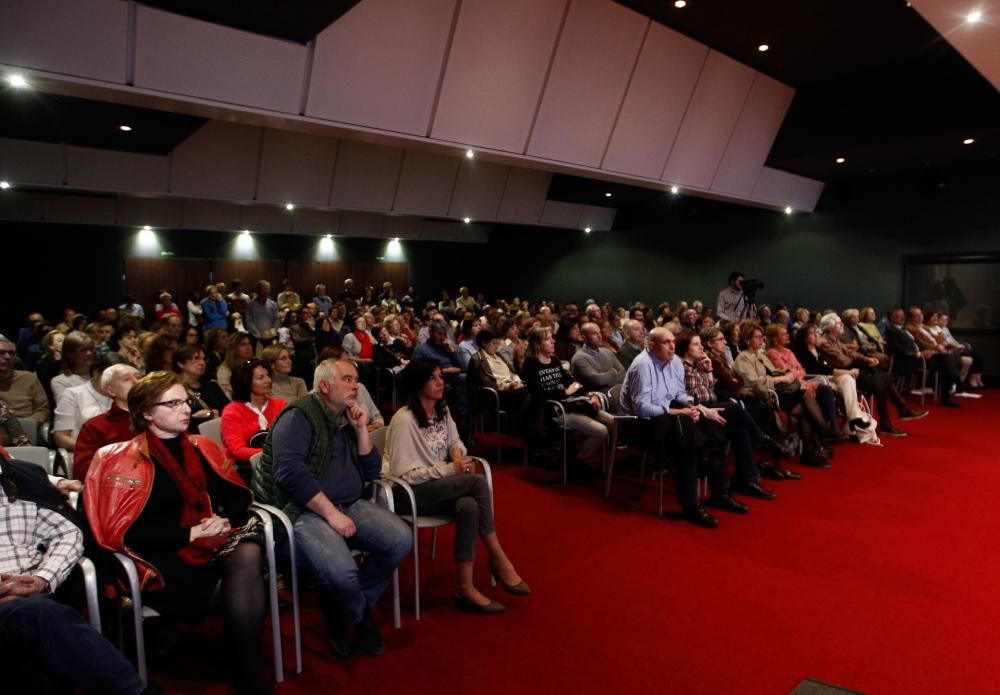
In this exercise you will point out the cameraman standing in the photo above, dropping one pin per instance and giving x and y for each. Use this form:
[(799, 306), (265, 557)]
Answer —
[(731, 304)]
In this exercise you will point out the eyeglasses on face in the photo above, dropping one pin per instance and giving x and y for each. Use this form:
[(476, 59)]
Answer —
[(176, 403)]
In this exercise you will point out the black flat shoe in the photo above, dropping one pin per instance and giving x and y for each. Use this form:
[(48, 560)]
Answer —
[(814, 461), (778, 451), (770, 472), (464, 604), (727, 504), (790, 474), (699, 517)]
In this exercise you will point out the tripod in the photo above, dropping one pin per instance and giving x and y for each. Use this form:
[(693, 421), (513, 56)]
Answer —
[(747, 307)]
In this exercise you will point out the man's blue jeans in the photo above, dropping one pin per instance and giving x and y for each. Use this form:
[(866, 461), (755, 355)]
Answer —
[(382, 536)]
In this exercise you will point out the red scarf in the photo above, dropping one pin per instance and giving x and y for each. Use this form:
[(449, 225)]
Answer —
[(366, 344), (189, 477)]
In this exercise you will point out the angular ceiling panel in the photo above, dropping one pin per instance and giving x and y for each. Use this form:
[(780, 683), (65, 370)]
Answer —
[(426, 183), (478, 190), (496, 69), (379, 65), (590, 72), (84, 37), (709, 122), (657, 97), (524, 195), (218, 161), (759, 122), (87, 167), (366, 176), (22, 161), (209, 214), (187, 56), (296, 168), (560, 214)]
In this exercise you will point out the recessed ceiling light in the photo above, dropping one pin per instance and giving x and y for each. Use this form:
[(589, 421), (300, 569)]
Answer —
[(763, 47), (327, 236), (680, 4), (125, 128), (4, 185), (467, 219), (146, 228), (586, 230), (968, 141), (840, 160), (788, 211), (675, 190), (289, 206), (245, 232), (607, 195), (17, 80), (469, 154), (973, 16)]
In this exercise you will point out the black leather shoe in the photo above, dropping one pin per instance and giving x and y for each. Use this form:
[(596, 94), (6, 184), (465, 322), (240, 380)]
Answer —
[(699, 517), (790, 474), (367, 639), (464, 604), (910, 414), (814, 461), (754, 489), (339, 639), (778, 451), (769, 471), (727, 504), (890, 431)]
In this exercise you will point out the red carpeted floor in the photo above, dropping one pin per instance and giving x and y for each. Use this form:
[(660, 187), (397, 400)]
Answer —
[(879, 575)]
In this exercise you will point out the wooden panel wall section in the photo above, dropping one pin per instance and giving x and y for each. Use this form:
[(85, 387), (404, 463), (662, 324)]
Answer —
[(250, 271), (307, 274), (145, 277), (374, 273)]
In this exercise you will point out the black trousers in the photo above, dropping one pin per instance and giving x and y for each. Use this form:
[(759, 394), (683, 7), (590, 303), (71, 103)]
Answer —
[(691, 445)]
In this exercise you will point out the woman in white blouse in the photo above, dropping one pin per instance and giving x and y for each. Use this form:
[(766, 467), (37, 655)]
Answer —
[(423, 448)]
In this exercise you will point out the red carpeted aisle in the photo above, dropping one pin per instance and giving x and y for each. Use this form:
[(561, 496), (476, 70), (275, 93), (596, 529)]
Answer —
[(878, 574)]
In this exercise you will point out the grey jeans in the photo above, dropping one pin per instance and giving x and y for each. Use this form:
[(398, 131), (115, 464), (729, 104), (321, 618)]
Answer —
[(465, 498)]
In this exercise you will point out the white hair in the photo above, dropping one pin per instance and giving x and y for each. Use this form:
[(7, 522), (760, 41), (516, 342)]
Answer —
[(325, 370), (111, 373), (828, 320)]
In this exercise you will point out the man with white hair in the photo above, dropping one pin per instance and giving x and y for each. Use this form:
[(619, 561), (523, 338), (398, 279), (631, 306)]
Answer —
[(113, 425), (317, 458), (870, 379), (78, 404)]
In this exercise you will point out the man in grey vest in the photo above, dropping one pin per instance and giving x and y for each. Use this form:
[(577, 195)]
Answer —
[(317, 459)]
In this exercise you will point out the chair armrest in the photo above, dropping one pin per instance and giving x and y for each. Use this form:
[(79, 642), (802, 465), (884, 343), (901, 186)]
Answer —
[(407, 488), (128, 565), (386, 487), (90, 587), (559, 407)]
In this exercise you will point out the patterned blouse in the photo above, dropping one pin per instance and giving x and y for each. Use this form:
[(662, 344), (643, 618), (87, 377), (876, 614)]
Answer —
[(436, 437)]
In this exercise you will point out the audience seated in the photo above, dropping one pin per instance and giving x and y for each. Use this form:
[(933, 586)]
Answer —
[(424, 449), (252, 411), (635, 339), (316, 461), (111, 426), (77, 356), (239, 351), (594, 365), (491, 369), (80, 403), (284, 386), (170, 522), (20, 391)]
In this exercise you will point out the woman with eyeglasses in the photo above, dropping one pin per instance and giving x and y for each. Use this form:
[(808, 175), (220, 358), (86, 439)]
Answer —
[(252, 412), (207, 398), (174, 504)]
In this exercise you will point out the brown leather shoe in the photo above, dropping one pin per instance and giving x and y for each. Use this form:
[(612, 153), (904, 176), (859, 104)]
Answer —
[(463, 603)]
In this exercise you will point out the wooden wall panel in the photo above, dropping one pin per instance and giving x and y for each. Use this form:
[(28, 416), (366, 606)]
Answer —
[(307, 274), (250, 271), (145, 277)]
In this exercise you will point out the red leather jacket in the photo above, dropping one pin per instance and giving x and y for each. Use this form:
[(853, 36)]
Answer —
[(117, 487)]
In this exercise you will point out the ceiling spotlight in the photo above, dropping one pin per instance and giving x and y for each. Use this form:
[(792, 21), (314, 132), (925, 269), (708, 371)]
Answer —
[(4, 185), (840, 160), (245, 232), (289, 206), (675, 190), (467, 219), (146, 228), (968, 141), (763, 47), (680, 4), (973, 16), (607, 195), (17, 80), (125, 128), (788, 211), (586, 230), (469, 154)]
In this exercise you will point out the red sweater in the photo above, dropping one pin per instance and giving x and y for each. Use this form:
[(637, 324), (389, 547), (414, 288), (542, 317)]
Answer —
[(239, 423)]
